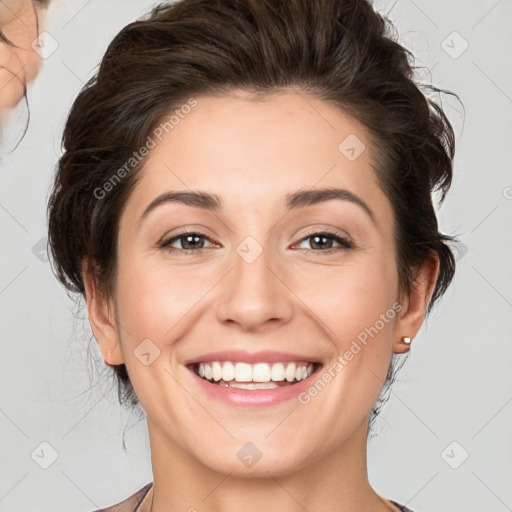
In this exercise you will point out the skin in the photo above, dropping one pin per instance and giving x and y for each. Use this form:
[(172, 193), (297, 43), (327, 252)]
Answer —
[(19, 64), (252, 154)]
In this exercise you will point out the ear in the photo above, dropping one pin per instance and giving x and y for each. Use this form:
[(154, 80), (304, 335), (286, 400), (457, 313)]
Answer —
[(415, 305), (101, 318)]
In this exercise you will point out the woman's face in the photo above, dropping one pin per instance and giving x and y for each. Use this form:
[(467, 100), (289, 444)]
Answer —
[(19, 63), (254, 284)]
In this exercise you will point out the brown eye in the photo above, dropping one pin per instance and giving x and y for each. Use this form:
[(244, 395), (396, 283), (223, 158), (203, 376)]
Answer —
[(189, 241), (323, 242)]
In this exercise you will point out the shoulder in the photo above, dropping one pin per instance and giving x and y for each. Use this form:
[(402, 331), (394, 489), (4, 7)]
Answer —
[(129, 504)]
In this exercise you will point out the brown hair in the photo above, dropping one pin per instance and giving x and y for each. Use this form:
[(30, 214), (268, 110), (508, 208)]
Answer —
[(341, 51)]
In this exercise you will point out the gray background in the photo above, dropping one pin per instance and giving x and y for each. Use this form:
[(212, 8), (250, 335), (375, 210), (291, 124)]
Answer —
[(455, 392)]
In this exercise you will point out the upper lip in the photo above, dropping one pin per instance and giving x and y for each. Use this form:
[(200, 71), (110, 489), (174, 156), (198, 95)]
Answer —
[(251, 357)]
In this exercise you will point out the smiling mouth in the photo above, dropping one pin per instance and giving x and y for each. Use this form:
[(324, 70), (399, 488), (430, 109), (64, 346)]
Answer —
[(254, 376)]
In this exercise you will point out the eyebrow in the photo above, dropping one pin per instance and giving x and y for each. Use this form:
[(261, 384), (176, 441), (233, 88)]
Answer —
[(297, 199)]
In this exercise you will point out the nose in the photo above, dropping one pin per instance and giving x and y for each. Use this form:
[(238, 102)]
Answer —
[(255, 295)]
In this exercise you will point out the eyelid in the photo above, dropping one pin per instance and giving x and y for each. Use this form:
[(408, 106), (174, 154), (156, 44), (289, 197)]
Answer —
[(344, 241), (327, 231), (165, 241)]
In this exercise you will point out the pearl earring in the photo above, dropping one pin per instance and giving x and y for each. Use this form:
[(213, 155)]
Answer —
[(406, 340)]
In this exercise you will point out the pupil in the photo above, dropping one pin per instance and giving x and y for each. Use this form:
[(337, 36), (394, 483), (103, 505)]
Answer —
[(191, 237), (316, 238)]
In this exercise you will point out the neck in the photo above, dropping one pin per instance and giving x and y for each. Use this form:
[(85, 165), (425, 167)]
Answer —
[(336, 482)]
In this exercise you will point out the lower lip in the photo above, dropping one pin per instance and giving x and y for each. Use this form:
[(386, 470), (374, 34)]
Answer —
[(254, 397)]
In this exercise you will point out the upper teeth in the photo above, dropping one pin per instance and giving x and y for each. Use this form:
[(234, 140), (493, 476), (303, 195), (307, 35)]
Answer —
[(259, 372)]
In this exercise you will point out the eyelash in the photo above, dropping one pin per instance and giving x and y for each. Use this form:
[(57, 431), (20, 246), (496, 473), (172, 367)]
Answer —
[(345, 244)]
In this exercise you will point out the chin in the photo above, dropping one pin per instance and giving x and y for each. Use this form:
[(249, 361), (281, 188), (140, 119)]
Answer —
[(247, 456)]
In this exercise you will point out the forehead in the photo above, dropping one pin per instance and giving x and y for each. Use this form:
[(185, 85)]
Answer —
[(254, 150)]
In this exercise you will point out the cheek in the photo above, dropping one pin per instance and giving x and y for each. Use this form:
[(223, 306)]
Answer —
[(154, 301), (358, 312), (351, 297)]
